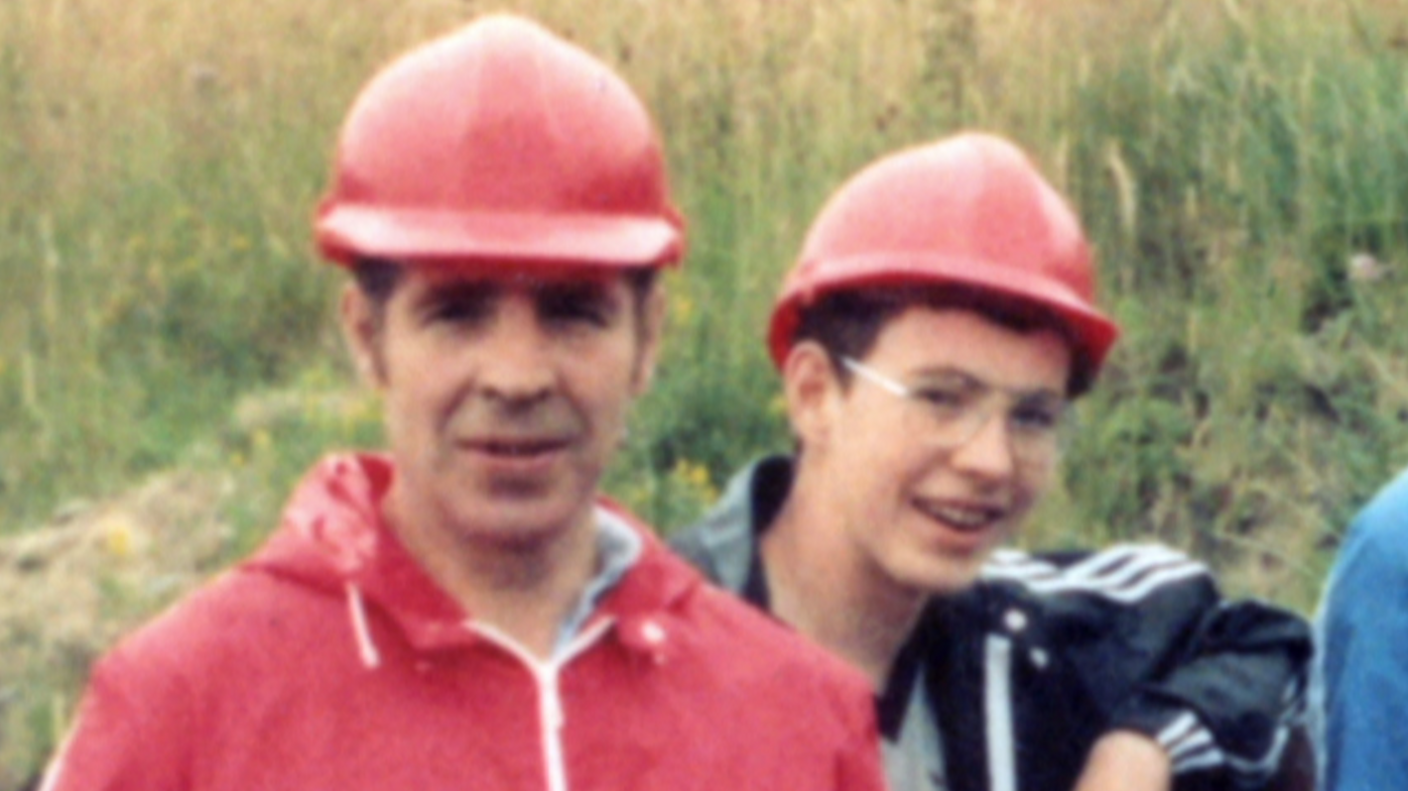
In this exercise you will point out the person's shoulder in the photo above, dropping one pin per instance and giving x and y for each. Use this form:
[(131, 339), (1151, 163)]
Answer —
[(214, 626), (726, 622), (722, 543), (1384, 520), (1123, 573), (749, 677), (736, 649), (1375, 547), (755, 644)]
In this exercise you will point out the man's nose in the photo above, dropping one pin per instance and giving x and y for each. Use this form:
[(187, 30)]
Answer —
[(988, 452), (518, 362)]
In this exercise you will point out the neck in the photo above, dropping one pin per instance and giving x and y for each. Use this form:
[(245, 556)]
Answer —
[(525, 589), (826, 588)]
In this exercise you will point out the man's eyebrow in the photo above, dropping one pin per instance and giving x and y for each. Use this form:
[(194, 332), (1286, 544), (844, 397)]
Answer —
[(595, 291), (935, 375), (462, 289), (590, 285)]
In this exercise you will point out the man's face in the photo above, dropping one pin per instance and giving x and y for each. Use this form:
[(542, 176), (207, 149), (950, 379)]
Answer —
[(923, 502), (505, 396)]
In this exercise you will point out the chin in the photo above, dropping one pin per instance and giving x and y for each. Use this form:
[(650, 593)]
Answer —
[(523, 525), (945, 576)]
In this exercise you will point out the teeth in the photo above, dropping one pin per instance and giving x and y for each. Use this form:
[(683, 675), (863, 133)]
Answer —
[(963, 518)]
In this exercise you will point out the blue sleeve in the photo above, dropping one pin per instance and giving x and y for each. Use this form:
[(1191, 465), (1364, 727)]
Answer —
[(1363, 664)]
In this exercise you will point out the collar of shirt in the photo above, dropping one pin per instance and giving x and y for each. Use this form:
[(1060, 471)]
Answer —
[(618, 548)]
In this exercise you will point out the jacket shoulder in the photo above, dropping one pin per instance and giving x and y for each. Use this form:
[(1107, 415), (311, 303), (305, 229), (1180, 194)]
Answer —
[(722, 544), (1125, 574), (1380, 529), (727, 621), (758, 647), (237, 620)]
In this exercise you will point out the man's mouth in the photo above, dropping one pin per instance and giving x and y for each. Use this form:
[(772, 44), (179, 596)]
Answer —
[(962, 517), (517, 464), (518, 448)]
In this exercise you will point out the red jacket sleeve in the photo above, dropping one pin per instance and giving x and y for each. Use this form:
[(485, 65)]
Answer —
[(131, 734)]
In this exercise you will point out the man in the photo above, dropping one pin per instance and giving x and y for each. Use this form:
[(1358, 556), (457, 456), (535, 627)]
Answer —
[(465, 612), (938, 322), (1362, 674)]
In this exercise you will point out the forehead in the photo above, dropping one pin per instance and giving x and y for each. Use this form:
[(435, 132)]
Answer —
[(923, 339)]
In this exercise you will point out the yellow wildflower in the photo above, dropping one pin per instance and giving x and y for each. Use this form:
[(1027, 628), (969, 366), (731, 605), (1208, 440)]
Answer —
[(120, 538)]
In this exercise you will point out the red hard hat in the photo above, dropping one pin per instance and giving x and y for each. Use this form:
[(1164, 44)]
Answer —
[(500, 142), (970, 211)]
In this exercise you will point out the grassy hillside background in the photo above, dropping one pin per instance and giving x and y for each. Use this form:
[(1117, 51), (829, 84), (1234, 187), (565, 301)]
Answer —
[(1242, 167)]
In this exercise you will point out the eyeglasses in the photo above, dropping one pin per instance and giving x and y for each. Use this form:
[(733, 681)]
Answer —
[(957, 406)]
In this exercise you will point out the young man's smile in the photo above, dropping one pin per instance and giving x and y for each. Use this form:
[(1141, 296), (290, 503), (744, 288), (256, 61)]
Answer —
[(924, 497), (968, 517)]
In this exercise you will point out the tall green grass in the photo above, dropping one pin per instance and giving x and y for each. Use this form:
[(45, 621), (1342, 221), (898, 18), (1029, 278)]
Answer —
[(162, 162), (160, 305)]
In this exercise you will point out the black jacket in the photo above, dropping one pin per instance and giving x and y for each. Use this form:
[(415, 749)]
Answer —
[(1065, 647)]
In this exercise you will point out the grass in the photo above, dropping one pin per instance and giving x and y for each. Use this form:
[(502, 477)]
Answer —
[(160, 306)]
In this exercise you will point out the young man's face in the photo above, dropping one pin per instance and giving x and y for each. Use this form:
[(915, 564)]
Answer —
[(505, 396), (923, 502)]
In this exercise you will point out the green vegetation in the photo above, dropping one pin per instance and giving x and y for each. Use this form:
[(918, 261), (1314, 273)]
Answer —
[(1242, 166)]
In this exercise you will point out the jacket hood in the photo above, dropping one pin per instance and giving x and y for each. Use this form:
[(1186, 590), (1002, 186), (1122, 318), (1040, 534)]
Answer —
[(333, 535), (334, 540)]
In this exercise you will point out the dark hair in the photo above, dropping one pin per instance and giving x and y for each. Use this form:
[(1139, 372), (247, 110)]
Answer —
[(378, 279), (847, 323)]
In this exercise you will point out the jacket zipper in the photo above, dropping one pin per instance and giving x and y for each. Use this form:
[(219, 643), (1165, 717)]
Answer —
[(551, 714), (1002, 754)]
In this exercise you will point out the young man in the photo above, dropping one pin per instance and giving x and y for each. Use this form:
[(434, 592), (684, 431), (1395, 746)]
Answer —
[(1361, 671), (930, 338), (465, 612)]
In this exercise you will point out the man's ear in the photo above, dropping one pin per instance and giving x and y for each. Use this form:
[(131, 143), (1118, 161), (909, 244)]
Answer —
[(810, 386), (361, 329), (652, 328)]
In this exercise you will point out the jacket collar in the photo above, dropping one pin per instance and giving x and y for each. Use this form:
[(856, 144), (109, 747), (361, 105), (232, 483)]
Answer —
[(724, 544), (334, 539)]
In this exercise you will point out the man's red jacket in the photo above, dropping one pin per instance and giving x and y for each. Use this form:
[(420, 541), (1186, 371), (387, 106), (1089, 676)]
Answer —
[(331, 661)]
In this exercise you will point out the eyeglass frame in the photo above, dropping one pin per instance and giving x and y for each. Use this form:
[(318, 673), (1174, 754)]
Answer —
[(1041, 448)]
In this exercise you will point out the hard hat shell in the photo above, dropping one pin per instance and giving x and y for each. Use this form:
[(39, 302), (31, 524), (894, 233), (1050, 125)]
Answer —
[(969, 211), (500, 142)]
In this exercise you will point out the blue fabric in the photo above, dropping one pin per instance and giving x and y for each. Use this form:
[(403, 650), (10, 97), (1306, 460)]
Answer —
[(1363, 657), (618, 548)]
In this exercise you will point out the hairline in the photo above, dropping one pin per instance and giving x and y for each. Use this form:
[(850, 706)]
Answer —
[(848, 323)]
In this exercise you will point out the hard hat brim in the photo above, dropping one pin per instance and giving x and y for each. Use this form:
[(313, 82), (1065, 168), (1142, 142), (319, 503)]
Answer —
[(1092, 332), (346, 233)]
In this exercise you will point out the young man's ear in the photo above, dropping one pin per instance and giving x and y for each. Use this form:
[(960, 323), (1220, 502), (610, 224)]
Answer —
[(361, 329), (810, 385), (652, 327)]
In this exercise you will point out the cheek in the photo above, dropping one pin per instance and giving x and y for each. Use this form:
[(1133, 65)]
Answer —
[(1035, 484), (872, 485), (609, 381), (896, 460), (419, 400)]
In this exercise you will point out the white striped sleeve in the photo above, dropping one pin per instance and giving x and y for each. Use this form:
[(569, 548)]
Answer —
[(1126, 573)]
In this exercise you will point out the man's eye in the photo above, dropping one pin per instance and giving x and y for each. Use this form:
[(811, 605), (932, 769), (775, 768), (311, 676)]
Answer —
[(459, 311), (587, 306), (1040, 417), (949, 399)]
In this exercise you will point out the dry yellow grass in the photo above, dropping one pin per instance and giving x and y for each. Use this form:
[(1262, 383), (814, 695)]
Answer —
[(69, 591)]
